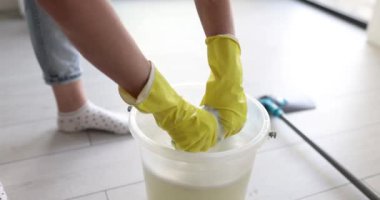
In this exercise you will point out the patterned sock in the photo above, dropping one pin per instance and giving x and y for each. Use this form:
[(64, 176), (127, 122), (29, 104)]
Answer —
[(90, 116), (3, 196)]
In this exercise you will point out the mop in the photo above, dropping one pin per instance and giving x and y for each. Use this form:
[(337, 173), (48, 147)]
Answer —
[(277, 107)]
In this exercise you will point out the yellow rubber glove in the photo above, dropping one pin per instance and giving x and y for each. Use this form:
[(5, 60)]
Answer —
[(224, 91), (191, 128)]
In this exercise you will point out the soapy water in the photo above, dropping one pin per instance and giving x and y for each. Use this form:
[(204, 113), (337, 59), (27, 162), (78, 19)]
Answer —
[(159, 188), (160, 137)]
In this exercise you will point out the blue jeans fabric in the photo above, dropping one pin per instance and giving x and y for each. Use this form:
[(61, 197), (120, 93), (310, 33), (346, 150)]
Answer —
[(58, 58)]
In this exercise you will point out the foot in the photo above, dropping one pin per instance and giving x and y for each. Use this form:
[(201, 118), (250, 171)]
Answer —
[(90, 116), (3, 195)]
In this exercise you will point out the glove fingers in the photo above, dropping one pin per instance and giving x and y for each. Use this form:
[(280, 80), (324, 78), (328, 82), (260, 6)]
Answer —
[(195, 132)]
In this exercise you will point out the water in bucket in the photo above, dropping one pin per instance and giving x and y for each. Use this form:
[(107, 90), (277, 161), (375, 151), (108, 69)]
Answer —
[(222, 173), (161, 189)]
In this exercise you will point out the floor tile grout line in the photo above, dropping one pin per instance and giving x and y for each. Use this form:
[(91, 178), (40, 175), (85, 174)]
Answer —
[(106, 190), (107, 197), (25, 122), (370, 176), (85, 195), (61, 152), (282, 147), (129, 184), (323, 137), (339, 186), (80, 196), (44, 155), (323, 191)]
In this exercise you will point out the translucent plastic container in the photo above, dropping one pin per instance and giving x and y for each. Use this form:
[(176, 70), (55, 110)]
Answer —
[(222, 173)]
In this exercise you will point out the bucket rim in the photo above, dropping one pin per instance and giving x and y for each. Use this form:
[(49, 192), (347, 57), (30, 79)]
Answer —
[(148, 143)]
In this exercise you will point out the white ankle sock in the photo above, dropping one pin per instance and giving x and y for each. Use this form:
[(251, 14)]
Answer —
[(90, 116), (3, 196)]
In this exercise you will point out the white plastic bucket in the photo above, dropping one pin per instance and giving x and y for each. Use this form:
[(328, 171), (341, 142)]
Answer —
[(220, 174)]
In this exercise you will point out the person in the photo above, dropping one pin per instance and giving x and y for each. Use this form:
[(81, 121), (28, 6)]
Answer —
[(59, 62), (3, 195), (95, 30)]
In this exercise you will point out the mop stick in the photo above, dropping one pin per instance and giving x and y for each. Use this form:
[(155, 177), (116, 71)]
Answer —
[(276, 111)]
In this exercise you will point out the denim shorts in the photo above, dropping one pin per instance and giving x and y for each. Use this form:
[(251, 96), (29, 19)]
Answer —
[(58, 58)]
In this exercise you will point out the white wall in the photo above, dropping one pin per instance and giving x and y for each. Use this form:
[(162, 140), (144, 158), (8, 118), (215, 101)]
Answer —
[(374, 26), (7, 5)]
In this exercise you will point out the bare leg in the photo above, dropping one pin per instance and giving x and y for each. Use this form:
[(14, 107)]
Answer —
[(216, 16), (69, 97), (86, 23)]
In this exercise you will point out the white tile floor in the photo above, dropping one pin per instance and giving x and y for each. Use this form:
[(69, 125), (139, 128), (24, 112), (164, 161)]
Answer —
[(287, 48)]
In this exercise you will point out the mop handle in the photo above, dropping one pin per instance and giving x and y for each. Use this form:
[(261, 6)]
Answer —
[(364, 189)]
